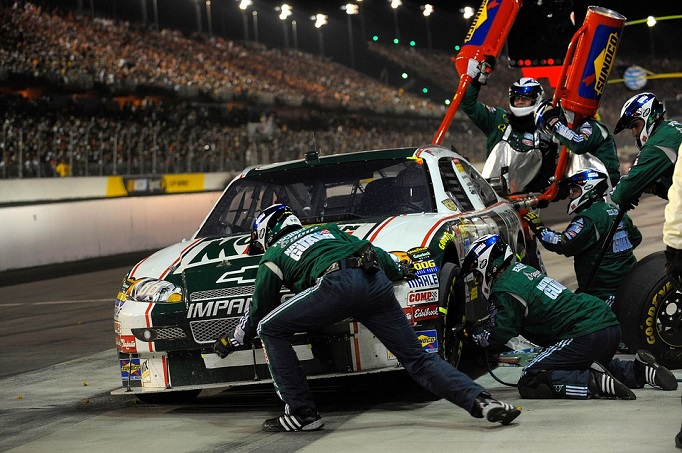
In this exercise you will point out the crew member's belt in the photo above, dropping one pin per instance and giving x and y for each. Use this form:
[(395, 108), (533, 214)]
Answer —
[(351, 261)]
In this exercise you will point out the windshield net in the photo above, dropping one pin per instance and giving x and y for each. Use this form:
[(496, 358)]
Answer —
[(326, 193)]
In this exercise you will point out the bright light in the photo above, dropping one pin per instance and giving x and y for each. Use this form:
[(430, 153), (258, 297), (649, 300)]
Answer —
[(395, 3), (320, 20), (244, 4), (651, 21), (285, 11), (468, 12), (404, 75), (396, 41), (412, 43), (428, 9), (351, 9)]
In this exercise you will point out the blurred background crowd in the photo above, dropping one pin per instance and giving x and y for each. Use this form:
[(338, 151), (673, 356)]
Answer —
[(86, 96)]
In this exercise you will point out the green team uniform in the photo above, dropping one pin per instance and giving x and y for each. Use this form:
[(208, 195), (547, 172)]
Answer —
[(654, 165), (286, 263), (524, 137), (594, 138), (582, 239), (529, 303)]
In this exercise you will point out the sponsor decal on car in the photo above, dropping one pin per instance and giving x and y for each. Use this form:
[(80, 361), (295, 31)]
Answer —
[(419, 313), (226, 308), (126, 343), (423, 281), (415, 297), (419, 253), (425, 267), (131, 369), (429, 340)]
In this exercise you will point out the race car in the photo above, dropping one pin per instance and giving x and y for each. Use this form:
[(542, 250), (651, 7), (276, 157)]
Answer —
[(423, 204)]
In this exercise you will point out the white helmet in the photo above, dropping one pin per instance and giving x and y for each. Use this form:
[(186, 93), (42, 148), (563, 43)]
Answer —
[(273, 223), (486, 257), (528, 88), (642, 106)]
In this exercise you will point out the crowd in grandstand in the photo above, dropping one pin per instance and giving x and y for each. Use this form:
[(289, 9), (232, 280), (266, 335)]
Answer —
[(167, 103)]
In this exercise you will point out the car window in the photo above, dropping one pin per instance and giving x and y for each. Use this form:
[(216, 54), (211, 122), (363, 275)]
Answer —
[(325, 193), (482, 187)]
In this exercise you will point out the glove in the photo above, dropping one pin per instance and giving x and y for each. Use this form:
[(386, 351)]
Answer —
[(545, 116), (480, 70), (224, 346), (673, 266), (534, 222), (479, 333), (629, 205), (408, 270)]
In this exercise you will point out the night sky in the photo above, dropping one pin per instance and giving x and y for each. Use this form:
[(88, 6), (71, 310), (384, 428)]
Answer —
[(447, 26)]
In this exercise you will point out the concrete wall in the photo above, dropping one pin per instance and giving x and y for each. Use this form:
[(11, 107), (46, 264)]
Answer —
[(41, 234)]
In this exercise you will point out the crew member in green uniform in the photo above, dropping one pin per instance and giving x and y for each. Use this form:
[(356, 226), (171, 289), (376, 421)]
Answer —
[(658, 140), (584, 235), (590, 138), (336, 276), (579, 332), (512, 140)]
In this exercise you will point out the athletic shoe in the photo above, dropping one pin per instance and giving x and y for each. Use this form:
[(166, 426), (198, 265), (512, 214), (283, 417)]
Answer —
[(647, 371), (306, 419), (494, 411), (602, 384)]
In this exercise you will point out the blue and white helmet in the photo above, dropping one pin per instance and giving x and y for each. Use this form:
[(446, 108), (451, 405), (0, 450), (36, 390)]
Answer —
[(527, 88), (485, 258), (273, 223), (593, 185), (645, 107)]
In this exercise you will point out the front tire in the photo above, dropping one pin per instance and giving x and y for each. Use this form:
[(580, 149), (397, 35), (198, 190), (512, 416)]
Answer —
[(449, 294), (650, 311)]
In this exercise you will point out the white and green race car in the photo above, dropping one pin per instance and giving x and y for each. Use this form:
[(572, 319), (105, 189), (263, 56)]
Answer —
[(424, 204)]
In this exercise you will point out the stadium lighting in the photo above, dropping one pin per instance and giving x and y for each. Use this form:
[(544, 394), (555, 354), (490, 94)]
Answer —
[(243, 6), (254, 15), (351, 10), (320, 20), (427, 11), (651, 21), (467, 12), (284, 12), (209, 18), (395, 4)]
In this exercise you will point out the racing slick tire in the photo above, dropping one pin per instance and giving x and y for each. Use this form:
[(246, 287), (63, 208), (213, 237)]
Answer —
[(179, 397), (650, 311), (451, 299)]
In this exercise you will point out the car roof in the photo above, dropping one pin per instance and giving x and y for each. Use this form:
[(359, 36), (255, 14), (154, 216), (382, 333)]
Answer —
[(311, 161)]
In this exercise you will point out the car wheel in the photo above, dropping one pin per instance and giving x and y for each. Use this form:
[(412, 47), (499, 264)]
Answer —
[(450, 298), (179, 397), (650, 311)]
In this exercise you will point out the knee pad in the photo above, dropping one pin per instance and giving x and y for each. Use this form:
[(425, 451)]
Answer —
[(535, 386)]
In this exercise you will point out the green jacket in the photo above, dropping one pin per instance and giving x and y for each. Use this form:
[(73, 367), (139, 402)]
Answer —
[(583, 239), (654, 164), (594, 138), (494, 121), (524, 301), (297, 260)]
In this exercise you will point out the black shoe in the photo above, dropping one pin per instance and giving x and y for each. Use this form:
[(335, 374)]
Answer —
[(678, 440), (602, 384), (647, 371), (306, 419), (494, 411)]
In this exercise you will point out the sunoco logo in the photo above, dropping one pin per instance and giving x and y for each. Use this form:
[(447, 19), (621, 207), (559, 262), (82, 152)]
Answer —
[(604, 62)]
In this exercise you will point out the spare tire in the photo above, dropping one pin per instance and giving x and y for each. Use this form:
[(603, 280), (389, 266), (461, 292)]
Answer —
[(650, 311)]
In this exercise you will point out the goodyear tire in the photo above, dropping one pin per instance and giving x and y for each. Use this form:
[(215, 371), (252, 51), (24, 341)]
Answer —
[(650, 311), (449, 294)]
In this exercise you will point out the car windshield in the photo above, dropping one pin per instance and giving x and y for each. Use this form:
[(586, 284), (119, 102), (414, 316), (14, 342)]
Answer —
[(325, 193)]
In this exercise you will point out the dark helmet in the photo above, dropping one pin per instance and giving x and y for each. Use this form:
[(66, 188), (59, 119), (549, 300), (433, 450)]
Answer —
[(528, 88), (593, 186), (412, 187), (642, 106), (485, 258), (273, 223)]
